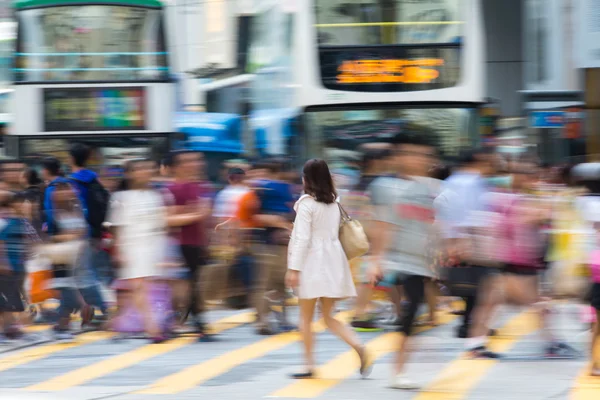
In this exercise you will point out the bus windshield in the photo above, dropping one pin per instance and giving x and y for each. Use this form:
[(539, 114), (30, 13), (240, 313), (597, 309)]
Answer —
[(341, 136), (390, 46), (90, 43), (389, 22)]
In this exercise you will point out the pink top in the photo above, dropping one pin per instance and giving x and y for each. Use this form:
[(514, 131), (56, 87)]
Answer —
[(595, 266), (523, 242)]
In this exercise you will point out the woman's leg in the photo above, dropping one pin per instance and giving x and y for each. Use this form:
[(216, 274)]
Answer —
[(307, 312), (341, 330)]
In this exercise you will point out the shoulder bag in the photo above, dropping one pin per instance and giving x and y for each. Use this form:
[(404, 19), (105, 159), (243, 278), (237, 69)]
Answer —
[(352, 236)]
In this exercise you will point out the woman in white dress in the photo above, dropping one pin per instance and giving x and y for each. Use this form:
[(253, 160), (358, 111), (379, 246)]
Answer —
[(138, 217), (317, 266)]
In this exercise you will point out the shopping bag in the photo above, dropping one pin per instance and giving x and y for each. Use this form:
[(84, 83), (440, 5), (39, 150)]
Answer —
[(39, 277)]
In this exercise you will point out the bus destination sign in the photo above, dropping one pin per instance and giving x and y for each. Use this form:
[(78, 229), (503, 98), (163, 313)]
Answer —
[(94, 109), (390, 68), (389, 71)]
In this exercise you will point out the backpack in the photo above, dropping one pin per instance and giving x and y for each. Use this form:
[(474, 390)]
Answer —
[(96, 204)]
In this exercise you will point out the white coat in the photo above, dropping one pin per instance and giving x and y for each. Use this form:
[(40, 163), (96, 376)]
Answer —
[(315, 250)]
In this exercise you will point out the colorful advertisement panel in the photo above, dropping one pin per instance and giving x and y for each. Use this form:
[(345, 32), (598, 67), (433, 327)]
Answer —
[(94, 109)]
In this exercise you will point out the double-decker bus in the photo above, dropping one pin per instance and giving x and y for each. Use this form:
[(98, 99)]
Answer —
[(92, 71), (334, 75)]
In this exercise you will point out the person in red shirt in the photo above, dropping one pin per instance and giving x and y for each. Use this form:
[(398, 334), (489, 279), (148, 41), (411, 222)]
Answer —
[(192, 199)]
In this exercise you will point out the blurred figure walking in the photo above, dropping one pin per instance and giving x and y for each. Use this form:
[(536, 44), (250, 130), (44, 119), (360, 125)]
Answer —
[(317, 266)]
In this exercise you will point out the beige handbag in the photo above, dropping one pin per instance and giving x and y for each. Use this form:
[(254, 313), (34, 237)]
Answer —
[(62, 253), (352, 236)]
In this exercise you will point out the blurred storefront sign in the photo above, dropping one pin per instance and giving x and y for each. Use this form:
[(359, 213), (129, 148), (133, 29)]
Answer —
[(94, 109), (211, 132), (574, 123), (547, 119)]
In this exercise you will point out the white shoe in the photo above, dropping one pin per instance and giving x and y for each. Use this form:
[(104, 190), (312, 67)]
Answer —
[(402, 383)]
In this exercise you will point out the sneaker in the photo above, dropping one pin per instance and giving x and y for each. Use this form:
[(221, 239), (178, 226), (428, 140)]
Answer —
[(402, 383), (483, 352), (63, 336), (560, 350), (265, 331), (284, 328), (365, 326)]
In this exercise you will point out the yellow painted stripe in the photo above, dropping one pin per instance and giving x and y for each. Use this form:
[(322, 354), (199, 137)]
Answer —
[(586, 387), (37, 353), (37, 328), (343, 366), (200, 373), (122, 361), (460, 376)]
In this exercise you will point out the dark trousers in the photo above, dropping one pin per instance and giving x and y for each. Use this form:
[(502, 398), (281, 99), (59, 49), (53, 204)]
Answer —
[(470, 302), (414, 290), (195, 257)]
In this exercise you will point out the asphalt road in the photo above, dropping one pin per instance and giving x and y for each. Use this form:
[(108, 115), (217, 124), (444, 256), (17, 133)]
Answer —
[(242, 365)]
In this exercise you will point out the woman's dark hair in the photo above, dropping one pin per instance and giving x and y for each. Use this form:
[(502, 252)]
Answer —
[(318, 181)]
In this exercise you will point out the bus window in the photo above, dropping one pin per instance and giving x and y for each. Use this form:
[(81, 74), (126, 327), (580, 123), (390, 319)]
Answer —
[(91, 43)]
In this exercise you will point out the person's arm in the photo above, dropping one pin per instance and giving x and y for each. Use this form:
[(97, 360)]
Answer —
[(301, 237)]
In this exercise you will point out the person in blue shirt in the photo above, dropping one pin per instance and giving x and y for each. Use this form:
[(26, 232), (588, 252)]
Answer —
[(14, 239)]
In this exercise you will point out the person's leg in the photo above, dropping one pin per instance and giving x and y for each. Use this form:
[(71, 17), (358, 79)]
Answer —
[(490, 295), (260, 288), (470, 302), (190, 256), (431, 295), (414, 289), (596, 346), (87, 276), (338, 328), (70, 302), (199, 288), (142, 301), (307, 312)]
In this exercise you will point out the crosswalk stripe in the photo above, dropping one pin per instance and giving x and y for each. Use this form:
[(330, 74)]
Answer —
[(346, 364), (459, 377), (37, 328), (586, 387), (127, 359), (43, 351), (200, 373)]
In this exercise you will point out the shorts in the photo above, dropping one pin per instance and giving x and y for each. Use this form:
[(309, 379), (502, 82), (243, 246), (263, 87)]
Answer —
[(521, 271), (11, 296), (464, 281), (595, 296)]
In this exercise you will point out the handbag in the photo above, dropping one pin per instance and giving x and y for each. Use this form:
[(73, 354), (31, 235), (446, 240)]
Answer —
[(352, 236), (62, 253)]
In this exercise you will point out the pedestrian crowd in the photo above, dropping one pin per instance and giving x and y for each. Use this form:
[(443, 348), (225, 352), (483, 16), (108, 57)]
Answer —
[(146, 248)]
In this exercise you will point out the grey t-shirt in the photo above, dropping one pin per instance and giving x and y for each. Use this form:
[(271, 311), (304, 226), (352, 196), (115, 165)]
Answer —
[(407, 205)]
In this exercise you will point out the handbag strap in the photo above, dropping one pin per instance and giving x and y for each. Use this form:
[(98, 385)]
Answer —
[(345, 217)]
